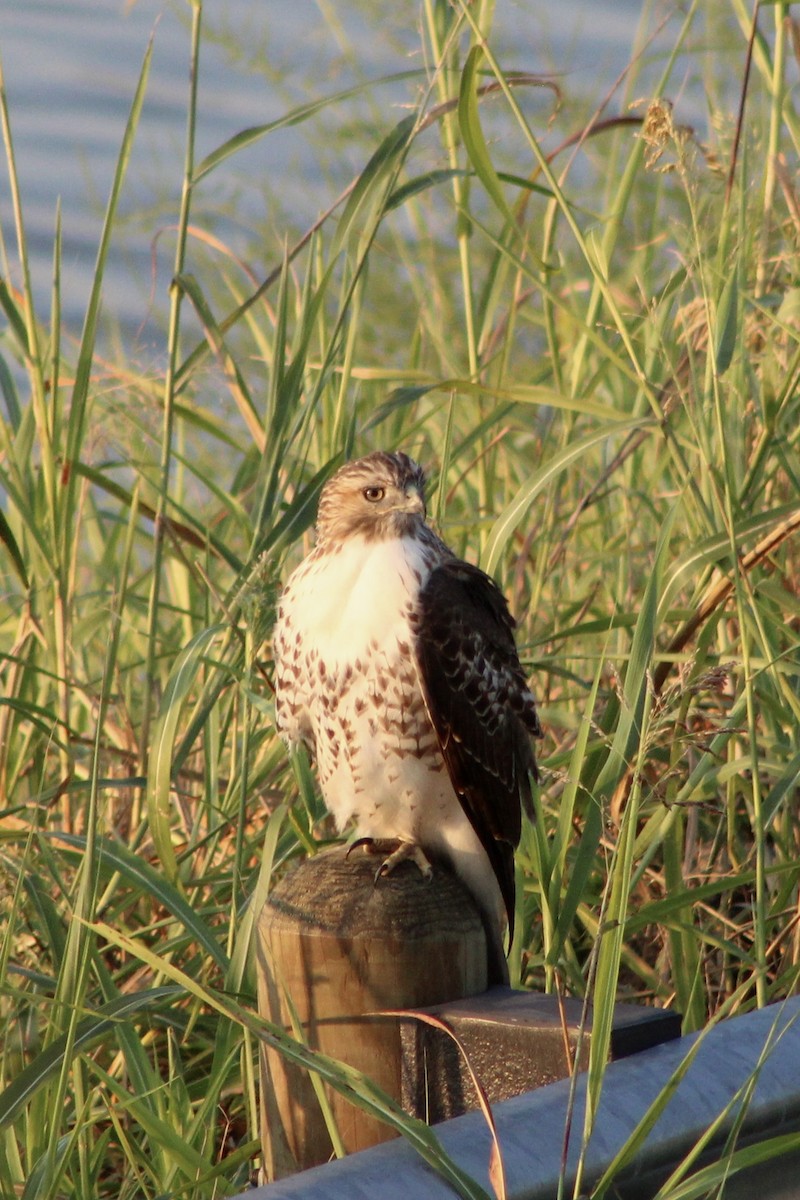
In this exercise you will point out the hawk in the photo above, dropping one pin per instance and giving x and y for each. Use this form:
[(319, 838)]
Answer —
[(396, 666)]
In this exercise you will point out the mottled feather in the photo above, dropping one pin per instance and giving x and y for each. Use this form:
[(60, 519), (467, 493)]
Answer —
[(481, 707)]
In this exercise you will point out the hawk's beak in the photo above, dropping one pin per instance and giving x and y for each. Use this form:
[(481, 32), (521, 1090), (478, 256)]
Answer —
[(414, 502)]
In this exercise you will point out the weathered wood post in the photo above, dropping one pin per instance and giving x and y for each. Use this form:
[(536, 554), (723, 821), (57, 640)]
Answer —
[(335, 947)]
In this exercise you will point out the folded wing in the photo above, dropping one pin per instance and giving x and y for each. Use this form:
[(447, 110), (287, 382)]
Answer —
[(481, 707)]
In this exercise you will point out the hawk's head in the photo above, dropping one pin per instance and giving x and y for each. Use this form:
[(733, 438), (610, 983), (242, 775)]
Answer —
[(380, 496)]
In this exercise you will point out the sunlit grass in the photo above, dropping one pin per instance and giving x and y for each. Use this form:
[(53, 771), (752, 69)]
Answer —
[(598, 359)]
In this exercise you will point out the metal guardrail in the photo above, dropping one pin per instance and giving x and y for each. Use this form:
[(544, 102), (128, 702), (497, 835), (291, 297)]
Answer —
[(749, 1064)]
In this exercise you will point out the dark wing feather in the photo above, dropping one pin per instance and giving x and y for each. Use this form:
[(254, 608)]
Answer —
[(480, 706)]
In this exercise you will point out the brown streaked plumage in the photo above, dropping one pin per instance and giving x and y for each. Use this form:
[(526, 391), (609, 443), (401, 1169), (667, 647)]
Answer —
[(396, 665)]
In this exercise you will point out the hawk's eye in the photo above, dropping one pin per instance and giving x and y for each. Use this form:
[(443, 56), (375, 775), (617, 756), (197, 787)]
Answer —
[(374, 494)]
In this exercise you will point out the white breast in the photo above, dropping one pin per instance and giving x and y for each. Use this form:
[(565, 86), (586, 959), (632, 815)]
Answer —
[(347, 684), (340, 604)]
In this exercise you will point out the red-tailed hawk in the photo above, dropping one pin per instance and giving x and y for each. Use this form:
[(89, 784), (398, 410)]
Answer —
[(396, 665)]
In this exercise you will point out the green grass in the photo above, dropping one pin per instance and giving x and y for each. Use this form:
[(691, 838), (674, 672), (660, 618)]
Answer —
[(595, 350)]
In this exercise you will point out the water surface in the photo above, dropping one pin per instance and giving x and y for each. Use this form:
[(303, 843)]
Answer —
[(71, 68)]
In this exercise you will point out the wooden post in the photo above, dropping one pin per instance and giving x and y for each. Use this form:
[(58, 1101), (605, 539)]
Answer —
[(335, 944)]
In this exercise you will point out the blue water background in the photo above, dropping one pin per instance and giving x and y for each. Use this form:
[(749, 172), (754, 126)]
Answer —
[(71, 68)]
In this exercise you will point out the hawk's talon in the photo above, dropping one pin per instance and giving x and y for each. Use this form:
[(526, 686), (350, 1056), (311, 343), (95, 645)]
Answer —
[(396, 851), (366, 842), (406, 852)]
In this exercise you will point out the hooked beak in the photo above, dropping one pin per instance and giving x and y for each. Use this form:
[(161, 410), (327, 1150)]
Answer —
[(414, 502)]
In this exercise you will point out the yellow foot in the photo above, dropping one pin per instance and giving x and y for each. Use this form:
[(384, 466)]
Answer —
[(406, 852), (396, 851)]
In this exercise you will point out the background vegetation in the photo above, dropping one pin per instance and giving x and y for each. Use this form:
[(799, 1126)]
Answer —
[(596, 353)]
